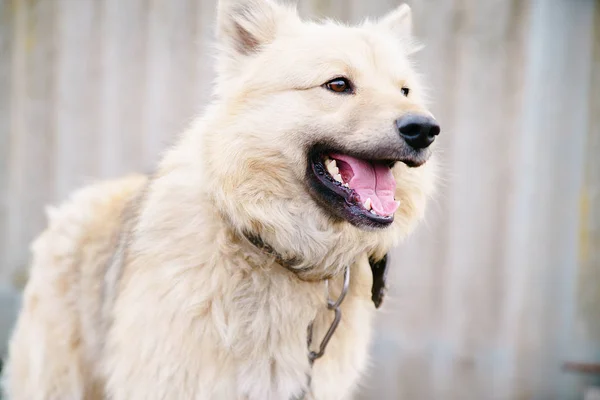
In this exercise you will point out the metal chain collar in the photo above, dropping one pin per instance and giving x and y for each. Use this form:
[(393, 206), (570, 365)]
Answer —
[(331, 304), (335, 307)]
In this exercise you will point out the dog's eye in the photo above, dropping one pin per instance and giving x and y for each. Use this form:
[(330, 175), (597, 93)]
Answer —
[(339, 85), (405, 91)]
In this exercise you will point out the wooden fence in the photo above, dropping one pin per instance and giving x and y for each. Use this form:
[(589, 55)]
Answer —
[(493, 293)]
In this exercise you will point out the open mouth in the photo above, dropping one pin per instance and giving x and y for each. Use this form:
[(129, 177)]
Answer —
[(358, 190)]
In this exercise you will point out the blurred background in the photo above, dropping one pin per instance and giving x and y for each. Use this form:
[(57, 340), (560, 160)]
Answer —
[(496, 296)]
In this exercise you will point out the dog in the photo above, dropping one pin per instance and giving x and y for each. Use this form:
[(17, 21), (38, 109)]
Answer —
[(250, 264)]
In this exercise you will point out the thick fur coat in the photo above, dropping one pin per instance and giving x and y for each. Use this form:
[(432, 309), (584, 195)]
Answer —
[(146, 288)]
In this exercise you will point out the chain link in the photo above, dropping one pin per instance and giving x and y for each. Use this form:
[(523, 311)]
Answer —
[(335, 307)]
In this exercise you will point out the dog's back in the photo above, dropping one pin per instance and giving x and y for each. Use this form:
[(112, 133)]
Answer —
[(63, 300)]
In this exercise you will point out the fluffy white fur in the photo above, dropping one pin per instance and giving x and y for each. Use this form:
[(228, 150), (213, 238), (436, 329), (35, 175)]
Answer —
[(143, 288)]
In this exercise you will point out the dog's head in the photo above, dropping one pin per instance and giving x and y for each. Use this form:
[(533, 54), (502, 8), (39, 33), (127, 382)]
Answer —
[(320, 138)]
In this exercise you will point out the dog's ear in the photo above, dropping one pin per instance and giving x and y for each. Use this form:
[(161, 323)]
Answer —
[(398, 21), (243, 26)]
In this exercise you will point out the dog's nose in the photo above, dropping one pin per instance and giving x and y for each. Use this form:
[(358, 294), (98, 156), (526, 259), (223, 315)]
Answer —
[(419, 131)]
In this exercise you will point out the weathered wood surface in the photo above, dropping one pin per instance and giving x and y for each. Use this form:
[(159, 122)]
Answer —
[(497, 288)]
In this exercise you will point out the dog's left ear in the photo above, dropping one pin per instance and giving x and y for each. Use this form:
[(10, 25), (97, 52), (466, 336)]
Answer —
[(398, 21), (243, 26)]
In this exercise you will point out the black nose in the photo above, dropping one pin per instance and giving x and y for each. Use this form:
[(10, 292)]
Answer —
[(418, 131)]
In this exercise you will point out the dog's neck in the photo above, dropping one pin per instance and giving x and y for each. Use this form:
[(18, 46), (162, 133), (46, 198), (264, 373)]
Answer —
[(293, 264)]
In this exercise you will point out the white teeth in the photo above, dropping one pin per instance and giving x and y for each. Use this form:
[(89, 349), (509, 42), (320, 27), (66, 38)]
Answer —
[(332, 168), (346, 185), (397, 203), (373, 212), (367, 204)]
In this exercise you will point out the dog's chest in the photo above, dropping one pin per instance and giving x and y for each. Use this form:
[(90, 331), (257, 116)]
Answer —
[(275, 351)]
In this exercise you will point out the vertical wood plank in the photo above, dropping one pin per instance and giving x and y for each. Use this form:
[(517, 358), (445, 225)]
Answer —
[(584, 337), (171, 72), (6, 41), (32, 125), (587, 333), (78, 89), (124, 30)]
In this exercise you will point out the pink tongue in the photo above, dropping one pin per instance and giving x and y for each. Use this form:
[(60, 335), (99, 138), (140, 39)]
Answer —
[(373, 181)]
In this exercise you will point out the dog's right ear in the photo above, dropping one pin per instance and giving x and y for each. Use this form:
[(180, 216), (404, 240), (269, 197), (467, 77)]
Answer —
[(243, 26), (398, 21)]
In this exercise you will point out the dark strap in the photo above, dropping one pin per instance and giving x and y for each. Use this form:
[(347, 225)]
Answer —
[(257, 241), (379, 269)]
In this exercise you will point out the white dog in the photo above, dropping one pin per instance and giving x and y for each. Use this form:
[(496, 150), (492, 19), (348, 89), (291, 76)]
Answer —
[(210, 278)]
